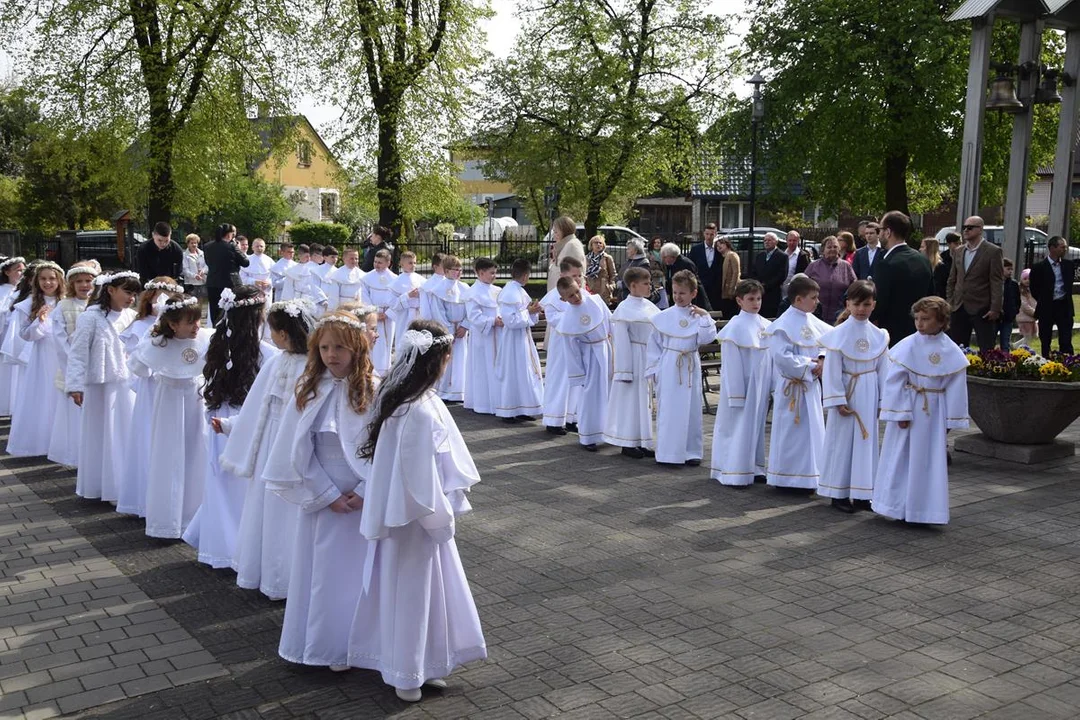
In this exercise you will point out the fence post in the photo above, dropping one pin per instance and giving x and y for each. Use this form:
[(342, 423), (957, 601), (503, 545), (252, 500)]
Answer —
[(9, 242), (68, 253)]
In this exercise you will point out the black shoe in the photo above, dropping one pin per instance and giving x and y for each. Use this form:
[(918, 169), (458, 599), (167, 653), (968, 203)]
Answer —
[(555, 429), (861, 504), (646, 452), (571, 427), (948, 458), (760, 479), (524, 418), (843, 506), (633, 453), (591, 447), (511, 420), (693, 462)]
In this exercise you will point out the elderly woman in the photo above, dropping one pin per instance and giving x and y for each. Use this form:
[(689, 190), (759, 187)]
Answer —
[(729, 278), (834, 275), (635, 257), (599, 269), (564, 244)]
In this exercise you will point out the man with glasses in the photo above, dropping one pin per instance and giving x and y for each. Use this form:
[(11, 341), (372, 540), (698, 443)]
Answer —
[(902, 276), (975, 287)]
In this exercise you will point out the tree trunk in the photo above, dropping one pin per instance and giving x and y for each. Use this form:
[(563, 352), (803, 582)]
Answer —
[(160, 156), (388, 172), (592, 221), (896, 194)]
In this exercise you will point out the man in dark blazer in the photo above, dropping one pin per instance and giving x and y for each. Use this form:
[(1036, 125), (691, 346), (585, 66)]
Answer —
[(162, 256), (223, 263), (869, 255), (903, 276), (770, 268), (1052, 289), (975, 287), (672, 260), (710, 265)]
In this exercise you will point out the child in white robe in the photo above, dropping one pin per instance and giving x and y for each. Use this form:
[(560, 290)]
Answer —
[(315, 464), (560, 395), (854, 368), (136, 452), (924, 396), (64, 440), (629, 412), (233, 359), (32, 416), (346, 282), (798, 422), (416, 620), (14, 349), (98, 381), (448, 308), (429, 290), (11, 272), (258, 271), (485, 329), (738, 446), (264, 546), (302, 282), (377, 292), (325, 269), (584, 330), (174, 352), (283, 290), (519, 381), (406, 289), (674, 366)]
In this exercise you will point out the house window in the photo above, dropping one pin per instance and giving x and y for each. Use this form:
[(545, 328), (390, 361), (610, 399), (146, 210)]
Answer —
[(303, 153), (731, 215), (328, 204)]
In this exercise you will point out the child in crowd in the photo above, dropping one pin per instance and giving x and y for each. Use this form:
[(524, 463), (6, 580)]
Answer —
[(283, 289), (233, 359), (584, 330), (429, 290), (173, 353), (924, 396), (629, 411), (519, 382), (264, 545), (303, 282), (560, 395), (345, 283), (258, 271), (11, 272), (851, 376), (1025, 318), (98, 381), (485, 328), (406, 289), (416, 620), (15, 350), (64, 439), (316, 465), (32, 416), (448, 308), (674, 367), (1010, 306), (328, 265), (377, 291), (798, 423), (738, 449)]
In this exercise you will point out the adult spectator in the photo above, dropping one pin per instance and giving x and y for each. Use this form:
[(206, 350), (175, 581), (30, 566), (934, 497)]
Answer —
[(797, 258), (834, 275), (976, 282), (951, 250), (770, 269), (709, 263), (1052, 289), (379, 239), (932, 250), (654, 249), (161, 256), (194, 267), (242, 244), (847, 246), (600, 269), (729, 278), (672, 260), (869, 255), (564, 244), (860, 234), (223, 262), (903, 276), (635, 257)]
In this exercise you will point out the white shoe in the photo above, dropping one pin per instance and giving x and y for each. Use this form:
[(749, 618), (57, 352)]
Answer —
[(339, 668), (408, 695), (436, 683)]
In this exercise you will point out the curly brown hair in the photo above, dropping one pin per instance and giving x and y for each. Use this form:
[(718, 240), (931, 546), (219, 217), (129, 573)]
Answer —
[(360, 377)]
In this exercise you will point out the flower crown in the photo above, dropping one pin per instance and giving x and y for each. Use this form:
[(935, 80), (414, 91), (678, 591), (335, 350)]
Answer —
[(228, 300), (11, 261), (343, 320), (180, 303), (48, 265), (81, 270), (109, 278), (293, 308), (422, 340), (161, 285)]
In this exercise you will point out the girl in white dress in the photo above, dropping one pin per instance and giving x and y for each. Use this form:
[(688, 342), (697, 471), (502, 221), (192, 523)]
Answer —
[(264, 546), (136, 452), (315, 464), (64, 440), (233, 359), (924, 396), (15, 350), (448, 309), (629, 411), (416, 620), (174, 352), (31, 421), (99, 383), (11, 272)]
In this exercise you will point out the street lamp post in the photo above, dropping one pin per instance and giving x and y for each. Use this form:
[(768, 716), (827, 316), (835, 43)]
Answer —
[(757, 113)]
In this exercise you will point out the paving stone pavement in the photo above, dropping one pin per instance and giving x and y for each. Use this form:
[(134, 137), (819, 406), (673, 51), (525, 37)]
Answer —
[(614, 588)]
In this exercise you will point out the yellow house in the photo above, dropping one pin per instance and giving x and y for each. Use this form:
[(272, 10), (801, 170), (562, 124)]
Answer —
[(477, 187), (294, 156)]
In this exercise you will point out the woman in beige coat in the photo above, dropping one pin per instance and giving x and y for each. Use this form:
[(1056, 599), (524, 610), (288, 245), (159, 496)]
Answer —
[(599, 269)]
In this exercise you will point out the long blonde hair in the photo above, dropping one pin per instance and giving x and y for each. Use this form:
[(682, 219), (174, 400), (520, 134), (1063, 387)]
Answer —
[(37, 296), (932, 251)]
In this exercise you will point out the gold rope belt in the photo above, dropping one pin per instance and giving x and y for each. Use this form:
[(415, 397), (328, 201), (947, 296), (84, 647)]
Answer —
[(925, 392), (795, 391), (849, 392), (691, 355)]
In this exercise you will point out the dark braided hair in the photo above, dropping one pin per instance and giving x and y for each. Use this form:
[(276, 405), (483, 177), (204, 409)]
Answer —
[(229, 385), (294, 327)]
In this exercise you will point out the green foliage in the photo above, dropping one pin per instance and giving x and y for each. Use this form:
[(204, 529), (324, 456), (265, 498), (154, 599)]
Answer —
[(9, 202), (257, 208), (17, 114), (322, 233)]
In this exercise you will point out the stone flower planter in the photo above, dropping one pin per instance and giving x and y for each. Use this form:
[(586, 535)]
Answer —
[(1022, 412)]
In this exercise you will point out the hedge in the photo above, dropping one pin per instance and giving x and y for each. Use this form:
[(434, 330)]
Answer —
[(321, 233)]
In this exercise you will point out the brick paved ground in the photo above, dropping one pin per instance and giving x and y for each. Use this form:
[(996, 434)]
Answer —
[(613, 588)]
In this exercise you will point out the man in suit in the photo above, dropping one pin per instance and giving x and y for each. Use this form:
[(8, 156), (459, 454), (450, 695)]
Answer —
[(1052, 289), (975, 287), (770, 269), (869, 255), (672, 260), (710, 265), (903, 276), (797, 259), (161, 256), (223, 263)]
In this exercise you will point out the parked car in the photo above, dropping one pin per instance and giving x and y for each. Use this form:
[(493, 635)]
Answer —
[(1034, 244), (615, 236), (97, 245)]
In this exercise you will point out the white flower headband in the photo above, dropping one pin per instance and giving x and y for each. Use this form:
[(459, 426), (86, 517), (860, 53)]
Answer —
[(414, 343), (228, 300), (180, 303), (81, 270), (11, 261), (421, 341), (107, 279), (343, 320), (167, 286), (299, 308), (48, 265)]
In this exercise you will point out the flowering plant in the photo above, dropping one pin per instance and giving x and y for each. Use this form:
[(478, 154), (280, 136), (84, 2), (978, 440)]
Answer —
[(1023, 363)]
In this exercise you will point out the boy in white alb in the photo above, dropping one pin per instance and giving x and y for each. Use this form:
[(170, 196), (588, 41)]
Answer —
[(855, 364), (323, 270), (518, 382), (738, 449), (406, 290), (283, 290), (798, 423), (560, 396), (924, 396), (485, 325), (429, 290), (377, 291), (629, 411), (258, 272), (674, 366), (345, 282), (584, 329), (448, 308), (302, 282)]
